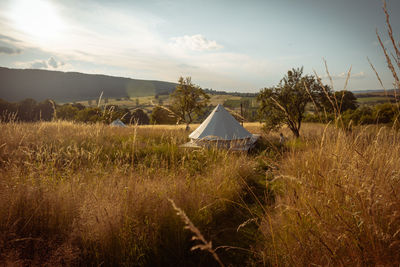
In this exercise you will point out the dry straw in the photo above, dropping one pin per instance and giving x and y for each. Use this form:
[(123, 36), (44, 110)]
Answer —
[(197, 235)]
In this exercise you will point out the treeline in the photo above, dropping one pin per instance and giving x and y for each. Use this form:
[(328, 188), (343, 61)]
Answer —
[(215, 92), (29, 110), (106, 114), (388, 113), (247, 107)]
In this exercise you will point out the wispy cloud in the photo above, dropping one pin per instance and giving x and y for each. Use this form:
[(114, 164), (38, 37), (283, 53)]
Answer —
[(9, 50), (360, 75), (343, 76), (8, 38), (38, 64), (195, 42), (50, 63)]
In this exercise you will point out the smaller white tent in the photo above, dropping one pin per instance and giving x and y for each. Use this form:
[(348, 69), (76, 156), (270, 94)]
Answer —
[(221, 129), (118, 123)]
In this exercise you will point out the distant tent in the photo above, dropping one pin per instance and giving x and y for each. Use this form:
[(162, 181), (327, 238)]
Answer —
[(221, 129), (118, 123)]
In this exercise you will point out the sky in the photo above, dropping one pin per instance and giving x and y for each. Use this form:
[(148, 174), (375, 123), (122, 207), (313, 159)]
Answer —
[(231, 45)]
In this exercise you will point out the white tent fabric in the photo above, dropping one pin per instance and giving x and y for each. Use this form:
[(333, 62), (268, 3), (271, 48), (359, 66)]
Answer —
[(220, 125), (118, 123)]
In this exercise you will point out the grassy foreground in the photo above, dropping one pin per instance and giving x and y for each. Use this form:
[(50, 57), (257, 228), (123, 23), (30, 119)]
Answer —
[(75, 194), (79, 194), (340, 200)]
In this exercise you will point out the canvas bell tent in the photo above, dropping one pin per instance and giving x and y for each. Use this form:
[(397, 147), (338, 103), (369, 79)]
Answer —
[(118, 123), (222, 130)]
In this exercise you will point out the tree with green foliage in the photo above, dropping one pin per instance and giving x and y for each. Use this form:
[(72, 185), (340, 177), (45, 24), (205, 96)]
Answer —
[(140, 117), (188, 100), (161, 115), (346, 100), (382, 113), (362, 115), (26, 109), (386, 113), (67, 112), (45, 110), (8, 111), (339, 101), (90, 114), (79, 106), (285, 103)]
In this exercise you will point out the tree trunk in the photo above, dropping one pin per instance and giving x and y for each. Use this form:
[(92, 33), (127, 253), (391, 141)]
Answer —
[(296, 132), (188, 122)]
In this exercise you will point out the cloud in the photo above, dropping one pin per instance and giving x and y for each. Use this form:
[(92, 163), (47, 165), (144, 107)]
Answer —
[(186, 66), (195, 42), (360, 75), (9, 50), (122, 44), (343, 76), (51, 63), (8, 38), (38, 64)]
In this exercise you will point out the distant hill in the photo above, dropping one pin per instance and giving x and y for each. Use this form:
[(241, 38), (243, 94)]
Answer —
[(19, 84), (374, 93), (367, 91)]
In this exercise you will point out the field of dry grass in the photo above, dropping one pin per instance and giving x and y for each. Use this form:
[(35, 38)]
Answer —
[(339, 203), (77, 194)]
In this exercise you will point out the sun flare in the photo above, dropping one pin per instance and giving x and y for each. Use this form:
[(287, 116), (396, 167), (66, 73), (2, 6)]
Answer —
[(38, 19)]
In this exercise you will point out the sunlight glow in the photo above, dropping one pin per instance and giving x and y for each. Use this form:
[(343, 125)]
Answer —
[(38, 19)]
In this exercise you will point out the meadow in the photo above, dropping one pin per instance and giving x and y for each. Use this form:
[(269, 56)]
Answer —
[(78, 194), (91, 194), (374, 100)]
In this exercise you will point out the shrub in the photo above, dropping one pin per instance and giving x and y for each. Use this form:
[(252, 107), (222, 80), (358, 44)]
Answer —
[(361, 115), (160, 115), (386, 113)]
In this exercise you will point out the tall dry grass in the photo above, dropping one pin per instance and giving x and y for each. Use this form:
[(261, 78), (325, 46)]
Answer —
[(77, 194), (340, 203)]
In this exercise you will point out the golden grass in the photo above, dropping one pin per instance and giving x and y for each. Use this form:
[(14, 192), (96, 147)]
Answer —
[(92, 194), (168, 126), (340, 201), (79, 194), (253, 127)]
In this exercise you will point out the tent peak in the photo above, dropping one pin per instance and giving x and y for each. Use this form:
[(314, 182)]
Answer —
[(220, 125)]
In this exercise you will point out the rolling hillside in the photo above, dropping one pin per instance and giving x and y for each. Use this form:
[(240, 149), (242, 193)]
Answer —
[(19, 84)]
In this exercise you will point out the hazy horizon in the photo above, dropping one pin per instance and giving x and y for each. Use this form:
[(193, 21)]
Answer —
[(223, 45)]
